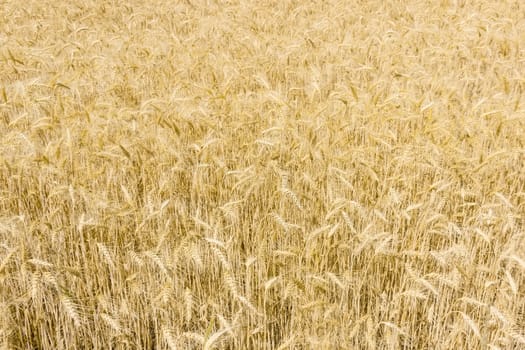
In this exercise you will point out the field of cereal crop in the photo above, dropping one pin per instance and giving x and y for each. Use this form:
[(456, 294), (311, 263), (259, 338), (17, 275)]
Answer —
[(206, 174)]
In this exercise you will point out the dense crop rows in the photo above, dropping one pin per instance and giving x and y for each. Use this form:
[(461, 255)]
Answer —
[(262, 174)]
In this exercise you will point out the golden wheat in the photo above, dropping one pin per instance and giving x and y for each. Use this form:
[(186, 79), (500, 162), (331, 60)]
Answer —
[(239, 174)]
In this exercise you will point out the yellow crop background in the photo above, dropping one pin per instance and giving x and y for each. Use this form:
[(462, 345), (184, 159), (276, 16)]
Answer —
[(262, 174)]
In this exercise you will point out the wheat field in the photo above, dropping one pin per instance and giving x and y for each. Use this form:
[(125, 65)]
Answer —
[(243, 174)]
